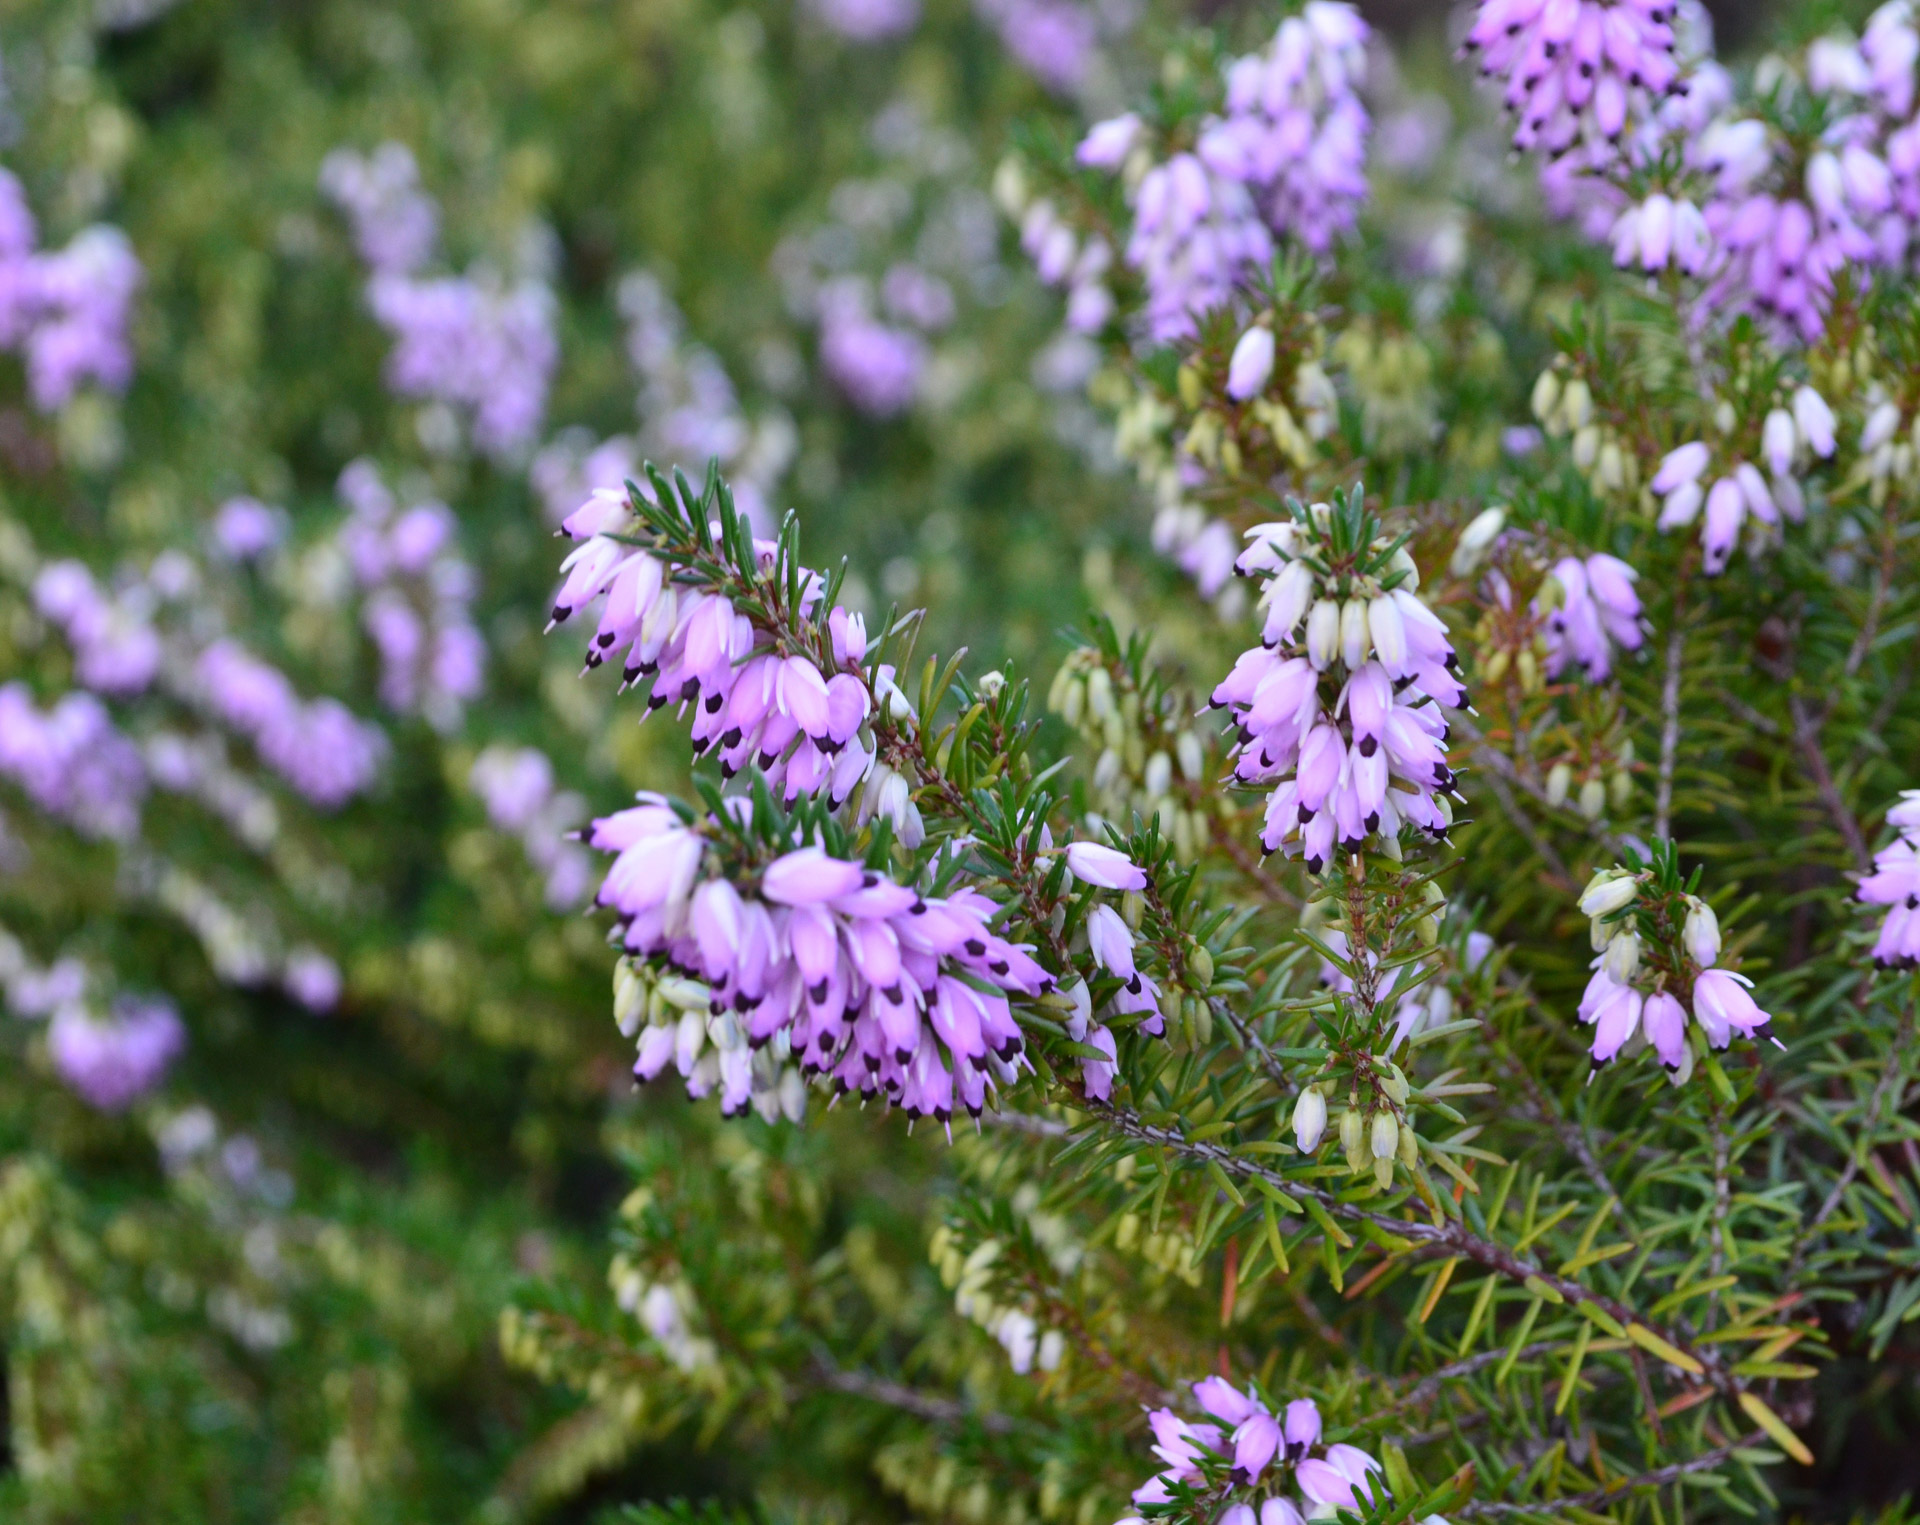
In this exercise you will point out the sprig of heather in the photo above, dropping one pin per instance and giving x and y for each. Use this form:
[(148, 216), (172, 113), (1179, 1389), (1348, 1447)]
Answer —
[(1656, 977), (1895, 883), (1339, 708)]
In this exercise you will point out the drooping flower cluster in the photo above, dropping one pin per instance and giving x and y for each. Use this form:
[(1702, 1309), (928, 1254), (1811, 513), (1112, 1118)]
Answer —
[(857, 977), (65, 311), (1340, 706), (1571, 71), (1196, 232), (116, 650), (1329, 1477), (1895, 883), (1647, 930), (246, 530), (417, 591), (320, 748), (867, 20), (516, 786), (72, 762), (878, 365), (1593, 610), (1732, 490), (112, 1061), (479, 343), (1053, 40), (1295, 130), (753, 704)]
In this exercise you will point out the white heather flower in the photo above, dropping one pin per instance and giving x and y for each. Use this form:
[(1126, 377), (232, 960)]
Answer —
[(1701, 933), (1323, 634), (1477, 537), (1309, 1120), (1815, 418), (1607, 892), (1252, 364), (1623, 956)]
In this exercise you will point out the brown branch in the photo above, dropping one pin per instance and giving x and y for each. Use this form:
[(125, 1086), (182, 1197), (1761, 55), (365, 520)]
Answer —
[(1806, 734), (933, 1407), (1596, 1498)]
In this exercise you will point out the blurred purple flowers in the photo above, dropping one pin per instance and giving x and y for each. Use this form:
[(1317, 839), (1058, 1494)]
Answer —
[(66, 311), (478, 342)]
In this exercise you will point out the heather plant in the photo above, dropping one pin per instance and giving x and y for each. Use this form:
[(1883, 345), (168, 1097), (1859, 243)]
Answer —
[(1223, 708), (1406, 1025)]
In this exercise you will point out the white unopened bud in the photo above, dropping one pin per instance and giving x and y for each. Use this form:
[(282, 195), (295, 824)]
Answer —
[(1701, 933), (1623, 956), (1309, 1120), (1355, 638), (1607, 891), (1386, 1136), (1323, 634), (1477, 537)]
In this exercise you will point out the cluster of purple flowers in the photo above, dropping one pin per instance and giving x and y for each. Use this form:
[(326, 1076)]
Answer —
[(1329, 1477), (65, 311), (319, 748), (516, 786), (859, 978), (115, 647), (112, 1061), (417, 594), (1596, 611), (1060, 258), (477, 342), (1339, 707), (689, 409), (1731, 490), (1288, 158), (1295, 130), (753, 705), (1895, 883), (1053, 40), (1196, 232), (878, 365), (1624, 1017), (247, 530), (1763, 205), (868, 20), (1571, 70), (72, 762)]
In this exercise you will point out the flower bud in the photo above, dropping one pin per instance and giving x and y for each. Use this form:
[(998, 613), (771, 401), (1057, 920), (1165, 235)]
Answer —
[(1701, 933), (1355, 641), (1477, 537), (1593, 799), (1559, 781), (1353, 1137), (1607, 891), (1323, 634), (1200, 966), (1409, 1146), (1546, 396), (1623, 956), (1252, 364), (1309, 1120)]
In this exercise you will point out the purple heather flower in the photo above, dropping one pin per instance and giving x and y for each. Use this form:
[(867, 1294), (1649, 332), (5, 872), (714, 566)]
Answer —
[(66, 310), (750, 705), (1053, 40), (395, 224), (1722, 1007), (1105, 867), (876, 365), (1895, 883), (855, 975), (1572, 70), (245, 529), (1295, 131), (312, 979), (319, 748), (1252, 364), (867, 20), (113, 1061), (72, 762), (1598, 610), (1196, 236), (1347, 723)]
